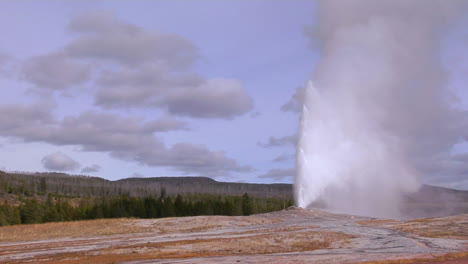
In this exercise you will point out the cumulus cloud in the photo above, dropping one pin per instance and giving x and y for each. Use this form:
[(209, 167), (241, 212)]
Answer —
[(59, 162), (180, 94), (55, 71), (462, 157), (132, 67), (127, 66), (215, 98), (279, 174), (279, 141), (125, 138), (101, 35), (146, 86), (91, 169), (166, 124), (4, 63), (283, 157), (191, 158), (19, 119), (295, 103)]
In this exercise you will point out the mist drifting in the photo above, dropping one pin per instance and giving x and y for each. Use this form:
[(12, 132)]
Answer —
[(378, 107)]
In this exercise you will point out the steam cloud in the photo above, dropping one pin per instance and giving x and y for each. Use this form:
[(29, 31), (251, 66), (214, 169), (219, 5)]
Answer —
[(378, 104)]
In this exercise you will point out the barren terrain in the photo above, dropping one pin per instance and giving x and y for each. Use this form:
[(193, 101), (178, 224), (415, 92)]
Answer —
[(289, 236)]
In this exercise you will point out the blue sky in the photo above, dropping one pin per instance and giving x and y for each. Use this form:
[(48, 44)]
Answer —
[(80, 93), (261, 45)]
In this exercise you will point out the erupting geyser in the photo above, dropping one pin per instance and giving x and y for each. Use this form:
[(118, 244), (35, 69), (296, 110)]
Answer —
[(346, 160), (377, 103)]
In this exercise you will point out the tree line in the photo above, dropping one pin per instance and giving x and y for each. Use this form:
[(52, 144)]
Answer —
[(27, 198), (53, 210)]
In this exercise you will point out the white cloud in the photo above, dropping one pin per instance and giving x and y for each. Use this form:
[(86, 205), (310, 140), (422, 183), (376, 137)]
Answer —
[(91, 169), (55, 71), (166, 124), (101, 35), (125, 138), (132, 67), (283, 157), (279, 141), (59, 162), (216, 98), (180, 94)]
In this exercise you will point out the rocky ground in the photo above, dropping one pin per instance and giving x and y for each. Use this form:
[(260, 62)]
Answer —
[(289, 236)]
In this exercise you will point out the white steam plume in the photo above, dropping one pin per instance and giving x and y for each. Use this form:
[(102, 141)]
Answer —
[(378, 104)]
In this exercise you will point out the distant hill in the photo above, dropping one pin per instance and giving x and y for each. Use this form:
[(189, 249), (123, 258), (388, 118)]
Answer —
[(174, 185), (85, 186), (429, 193), (434, 201), (428, 201)]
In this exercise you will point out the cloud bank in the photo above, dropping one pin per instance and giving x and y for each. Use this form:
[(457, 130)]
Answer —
[(123, 68), (134, 68), (125, 138)]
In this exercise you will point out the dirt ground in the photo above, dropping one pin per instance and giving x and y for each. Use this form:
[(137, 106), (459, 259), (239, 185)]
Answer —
[(290, 236)]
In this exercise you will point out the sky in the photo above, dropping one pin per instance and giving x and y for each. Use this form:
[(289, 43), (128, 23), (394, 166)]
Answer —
[(119, 89)]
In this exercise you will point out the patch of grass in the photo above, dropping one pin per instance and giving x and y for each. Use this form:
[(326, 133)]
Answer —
[(436, 229), (453, 227), (377, 222), (189, 229), (57, 230)]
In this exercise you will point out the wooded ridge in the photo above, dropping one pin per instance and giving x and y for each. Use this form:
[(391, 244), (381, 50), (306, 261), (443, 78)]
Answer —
[(86, 186)]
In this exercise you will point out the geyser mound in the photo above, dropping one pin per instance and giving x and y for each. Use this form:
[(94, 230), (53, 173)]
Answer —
[(378, 105)]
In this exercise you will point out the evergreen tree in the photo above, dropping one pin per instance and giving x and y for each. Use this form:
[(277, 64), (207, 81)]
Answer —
[(31, 212), (151, 207), (246, 205), (9, 215), (180, 207), (168, 209)]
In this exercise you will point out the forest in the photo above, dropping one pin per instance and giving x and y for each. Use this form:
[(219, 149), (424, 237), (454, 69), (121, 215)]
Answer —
[(52, 197)]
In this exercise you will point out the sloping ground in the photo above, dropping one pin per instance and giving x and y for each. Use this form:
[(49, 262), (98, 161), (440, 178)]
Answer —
[(289, 236), (455, 227)]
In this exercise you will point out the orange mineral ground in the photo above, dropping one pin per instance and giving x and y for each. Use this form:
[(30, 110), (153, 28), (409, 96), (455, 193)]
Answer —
[(289, 236)]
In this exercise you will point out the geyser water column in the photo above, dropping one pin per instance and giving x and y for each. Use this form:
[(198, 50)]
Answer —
[(376, 106), (344, 159)]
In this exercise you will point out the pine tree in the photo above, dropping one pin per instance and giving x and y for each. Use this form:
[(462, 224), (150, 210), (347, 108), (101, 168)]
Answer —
[(168, 209), (179, 206), (246, 205), (31, 212)]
